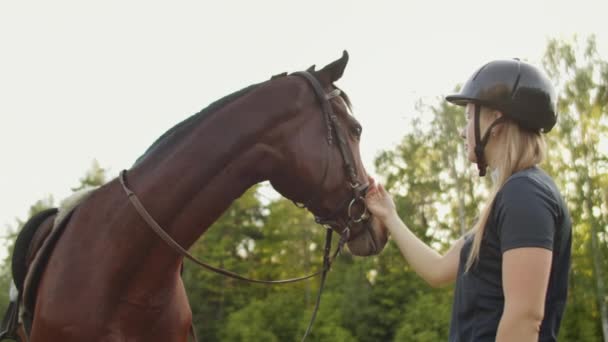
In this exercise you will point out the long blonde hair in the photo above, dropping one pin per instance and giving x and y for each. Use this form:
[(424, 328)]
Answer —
[(517, 149)]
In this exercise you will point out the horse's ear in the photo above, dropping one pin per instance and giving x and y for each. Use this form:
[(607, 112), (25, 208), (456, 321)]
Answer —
[(335, 69), (311, 69)]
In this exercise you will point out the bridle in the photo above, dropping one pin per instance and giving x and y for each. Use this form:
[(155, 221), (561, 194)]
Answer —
[(330, 222), (358, 190)]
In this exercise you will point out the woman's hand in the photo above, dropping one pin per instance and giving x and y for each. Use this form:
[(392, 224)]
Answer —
[(379, 202)]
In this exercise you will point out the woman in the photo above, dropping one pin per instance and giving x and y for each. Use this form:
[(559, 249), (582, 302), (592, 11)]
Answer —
[(511, 269)]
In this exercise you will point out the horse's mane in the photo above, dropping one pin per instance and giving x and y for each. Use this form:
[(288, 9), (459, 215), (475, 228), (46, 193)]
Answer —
[(184, 126)]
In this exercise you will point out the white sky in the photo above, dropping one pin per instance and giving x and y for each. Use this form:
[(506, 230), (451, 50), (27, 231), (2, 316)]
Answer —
[(84, 80)]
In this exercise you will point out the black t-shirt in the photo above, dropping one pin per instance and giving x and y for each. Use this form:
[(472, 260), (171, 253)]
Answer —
[(528, 212)]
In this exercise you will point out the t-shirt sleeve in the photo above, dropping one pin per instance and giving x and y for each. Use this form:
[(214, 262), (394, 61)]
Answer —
[(525, 215)]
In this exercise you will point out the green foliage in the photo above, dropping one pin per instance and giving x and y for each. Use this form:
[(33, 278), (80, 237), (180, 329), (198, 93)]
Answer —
[(255, 322), (95, 176), (432, 308)]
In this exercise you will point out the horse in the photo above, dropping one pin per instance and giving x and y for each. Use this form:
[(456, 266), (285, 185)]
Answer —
[(108, 277)]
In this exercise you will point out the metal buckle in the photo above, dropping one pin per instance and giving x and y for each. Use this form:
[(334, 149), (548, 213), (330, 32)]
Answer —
[(365, 213)]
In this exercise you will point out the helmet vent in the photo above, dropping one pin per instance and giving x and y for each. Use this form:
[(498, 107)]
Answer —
[(517, 79), (480, 70)]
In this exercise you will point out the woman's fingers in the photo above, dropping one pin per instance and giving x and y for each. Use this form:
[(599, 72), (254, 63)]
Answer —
[(382, 190), (371, 181), (372, 190), (376, 196)]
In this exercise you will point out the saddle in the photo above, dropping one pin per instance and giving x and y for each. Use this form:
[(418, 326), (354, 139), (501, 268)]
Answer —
[(31, 254)]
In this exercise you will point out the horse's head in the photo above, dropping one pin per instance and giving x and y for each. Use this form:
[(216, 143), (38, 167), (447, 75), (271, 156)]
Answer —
[(321, 166)]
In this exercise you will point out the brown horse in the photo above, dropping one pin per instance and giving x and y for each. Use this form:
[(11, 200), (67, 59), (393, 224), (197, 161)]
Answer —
[(110, 278)]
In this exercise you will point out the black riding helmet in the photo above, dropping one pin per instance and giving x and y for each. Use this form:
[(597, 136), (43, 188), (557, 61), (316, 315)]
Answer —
[(519, 90)]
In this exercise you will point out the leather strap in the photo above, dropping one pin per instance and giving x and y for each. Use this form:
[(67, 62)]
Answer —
[(183, 252)]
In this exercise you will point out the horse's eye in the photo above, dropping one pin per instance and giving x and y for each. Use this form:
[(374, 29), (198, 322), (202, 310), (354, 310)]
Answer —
[(357, 130)]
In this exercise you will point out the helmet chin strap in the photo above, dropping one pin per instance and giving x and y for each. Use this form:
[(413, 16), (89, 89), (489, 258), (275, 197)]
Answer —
[(480, 143)]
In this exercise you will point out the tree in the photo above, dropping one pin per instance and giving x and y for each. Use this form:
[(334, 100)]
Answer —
[(577, 154), (95, 176)]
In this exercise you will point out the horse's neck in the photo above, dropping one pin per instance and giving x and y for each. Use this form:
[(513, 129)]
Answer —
[(202, 202), (189, 187)]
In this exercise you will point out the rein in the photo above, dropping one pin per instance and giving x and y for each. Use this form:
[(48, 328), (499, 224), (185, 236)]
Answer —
[(141, 210)]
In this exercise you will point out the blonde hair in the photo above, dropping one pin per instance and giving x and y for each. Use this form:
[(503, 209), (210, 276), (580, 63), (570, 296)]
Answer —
[(517, 149)]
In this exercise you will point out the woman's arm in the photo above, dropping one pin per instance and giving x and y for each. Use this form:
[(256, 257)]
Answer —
[(525, 277), (435, 269)]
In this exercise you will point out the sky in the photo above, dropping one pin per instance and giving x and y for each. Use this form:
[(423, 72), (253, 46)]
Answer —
[(101, 80)]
